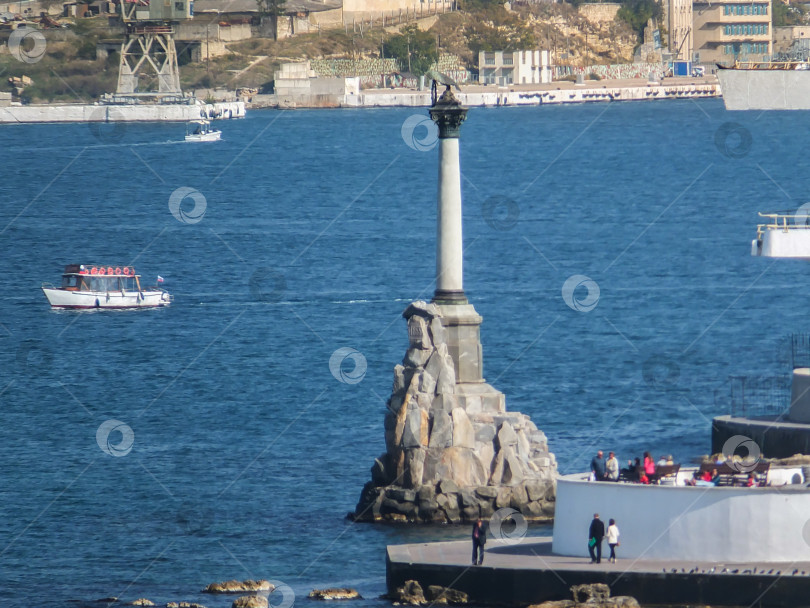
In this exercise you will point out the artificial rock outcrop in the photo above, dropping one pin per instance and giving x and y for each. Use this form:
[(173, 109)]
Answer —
[(453, 452)]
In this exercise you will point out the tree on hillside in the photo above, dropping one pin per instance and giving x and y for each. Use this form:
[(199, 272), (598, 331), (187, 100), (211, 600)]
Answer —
[(273, 9), (784, 14), (414, 49), (636, 13)]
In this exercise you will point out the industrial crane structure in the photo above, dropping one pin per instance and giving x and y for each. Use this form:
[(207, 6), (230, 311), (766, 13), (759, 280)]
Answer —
[(148, 67)]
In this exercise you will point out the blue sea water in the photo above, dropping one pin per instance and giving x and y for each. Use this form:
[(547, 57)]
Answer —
[(237, 452)]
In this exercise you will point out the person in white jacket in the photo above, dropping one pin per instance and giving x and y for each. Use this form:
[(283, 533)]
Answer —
[(612, 539)]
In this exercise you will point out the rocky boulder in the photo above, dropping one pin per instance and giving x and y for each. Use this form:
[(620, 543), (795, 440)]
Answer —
[(334, 594), (142, 602), (446, 596), (235, 586), (410, 593), (250, 601)]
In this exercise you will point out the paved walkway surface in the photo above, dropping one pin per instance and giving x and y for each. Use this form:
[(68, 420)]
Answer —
[(534, 553)]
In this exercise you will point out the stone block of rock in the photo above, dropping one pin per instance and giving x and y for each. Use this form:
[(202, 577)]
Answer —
[(410, 593), (184, 605), (446, 596), (142, 601), (593, 592), (341, 593), (447, 486), (441, 435), (556, 604), (234, 586), (250, 601)]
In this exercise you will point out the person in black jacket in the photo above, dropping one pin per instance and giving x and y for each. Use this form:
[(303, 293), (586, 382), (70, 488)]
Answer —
[(595, 535), (479, 539)]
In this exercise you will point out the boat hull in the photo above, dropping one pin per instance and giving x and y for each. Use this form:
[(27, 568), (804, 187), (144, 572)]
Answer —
[(210, 136), (61, 298), (765, 89)]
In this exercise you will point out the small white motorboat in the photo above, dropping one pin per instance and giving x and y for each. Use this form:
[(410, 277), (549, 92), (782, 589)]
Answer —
[(201, 130), (104, 287)]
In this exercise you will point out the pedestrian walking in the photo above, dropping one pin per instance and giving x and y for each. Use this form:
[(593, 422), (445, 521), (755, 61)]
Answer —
[(479, 539), (596, 533), (613, 539)]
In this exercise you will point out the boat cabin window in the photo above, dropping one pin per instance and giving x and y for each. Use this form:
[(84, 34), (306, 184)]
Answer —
[(96, 283), (70, 280)]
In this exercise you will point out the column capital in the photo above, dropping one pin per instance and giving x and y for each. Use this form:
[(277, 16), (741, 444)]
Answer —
[(448, 114)]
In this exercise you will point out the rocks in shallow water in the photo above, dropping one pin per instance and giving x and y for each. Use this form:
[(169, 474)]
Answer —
[(235, 586), (107, 600), (334, 594), (410, 593), (250, 601), (184, 605), (142, 602), (596, 592), (596, 595), (446, 595)]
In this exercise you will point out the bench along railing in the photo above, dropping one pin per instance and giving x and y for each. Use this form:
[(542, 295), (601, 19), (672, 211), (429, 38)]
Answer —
[(665, 473), (737, 473)]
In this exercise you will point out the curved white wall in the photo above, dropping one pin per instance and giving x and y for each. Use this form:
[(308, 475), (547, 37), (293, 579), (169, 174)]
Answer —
[(686, 523)]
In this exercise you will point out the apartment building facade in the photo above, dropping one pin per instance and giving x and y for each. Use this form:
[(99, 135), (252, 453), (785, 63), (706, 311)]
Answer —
[(514, 67), (729, 30), (679, 25)]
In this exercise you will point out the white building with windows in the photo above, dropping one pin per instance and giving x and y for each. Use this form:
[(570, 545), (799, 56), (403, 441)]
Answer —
[(514, 67)]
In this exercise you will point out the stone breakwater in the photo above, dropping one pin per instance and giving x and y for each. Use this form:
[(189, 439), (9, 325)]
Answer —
[(453, 452)]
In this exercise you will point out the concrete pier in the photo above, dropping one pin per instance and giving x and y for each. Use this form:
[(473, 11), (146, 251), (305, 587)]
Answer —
[(120, 113), (528, 573)]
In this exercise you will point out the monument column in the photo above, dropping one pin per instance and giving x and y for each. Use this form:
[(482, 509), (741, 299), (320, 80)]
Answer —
[(448, 114), (459, 317), (452, 451)]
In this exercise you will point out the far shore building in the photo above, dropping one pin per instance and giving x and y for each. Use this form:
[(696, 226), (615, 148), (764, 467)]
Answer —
[(679, 20), (300, 16), (791, 36), (514, 67), (729, 30)]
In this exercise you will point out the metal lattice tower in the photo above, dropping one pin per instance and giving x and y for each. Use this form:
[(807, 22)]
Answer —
[(148, 64)]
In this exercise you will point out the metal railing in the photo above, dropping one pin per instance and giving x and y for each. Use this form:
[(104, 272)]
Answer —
[(784, 222), (752, 396)]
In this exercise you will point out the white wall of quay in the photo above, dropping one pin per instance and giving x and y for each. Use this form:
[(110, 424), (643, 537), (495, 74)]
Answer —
[(134, 113), (718, 524)]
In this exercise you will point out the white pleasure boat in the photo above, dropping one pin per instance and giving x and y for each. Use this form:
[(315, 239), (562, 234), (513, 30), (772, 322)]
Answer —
[(201, 130), (104, 287)]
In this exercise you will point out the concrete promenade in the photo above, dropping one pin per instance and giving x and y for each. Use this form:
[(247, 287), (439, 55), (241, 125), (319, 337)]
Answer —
[(528, 573), (558, 92)]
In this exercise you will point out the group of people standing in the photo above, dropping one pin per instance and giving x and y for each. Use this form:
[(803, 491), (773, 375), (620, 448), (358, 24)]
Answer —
[(597, 534), (605, 470), (638, 471)]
